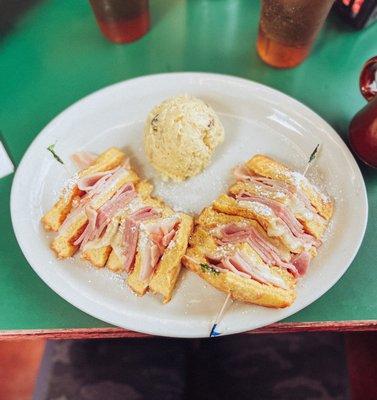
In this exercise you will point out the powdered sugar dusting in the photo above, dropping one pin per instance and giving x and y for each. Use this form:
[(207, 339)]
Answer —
[(70, 184), (299, 180), (259, 208), (225, 250)]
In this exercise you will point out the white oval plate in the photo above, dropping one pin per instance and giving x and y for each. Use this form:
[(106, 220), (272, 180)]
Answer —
[(257, 119)]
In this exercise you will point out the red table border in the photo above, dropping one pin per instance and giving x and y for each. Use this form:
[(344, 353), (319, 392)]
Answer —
[(108, 333)]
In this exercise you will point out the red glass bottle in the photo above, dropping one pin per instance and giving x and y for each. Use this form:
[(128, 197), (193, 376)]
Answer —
[(122, 21), (363, 127)]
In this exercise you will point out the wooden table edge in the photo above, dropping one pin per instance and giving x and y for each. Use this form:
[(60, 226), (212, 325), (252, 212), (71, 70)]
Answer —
[(113, 332)]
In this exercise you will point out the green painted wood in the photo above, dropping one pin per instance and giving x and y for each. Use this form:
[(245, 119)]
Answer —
[(56, 55)]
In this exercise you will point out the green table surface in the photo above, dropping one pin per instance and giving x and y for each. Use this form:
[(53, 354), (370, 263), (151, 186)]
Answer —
[(55, 55)]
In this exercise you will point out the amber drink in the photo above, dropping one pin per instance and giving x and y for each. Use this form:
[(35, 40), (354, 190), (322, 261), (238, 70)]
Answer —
[(288, 28), (122, 21)]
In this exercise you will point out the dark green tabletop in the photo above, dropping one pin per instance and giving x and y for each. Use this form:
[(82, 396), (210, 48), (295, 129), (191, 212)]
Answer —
[(55, 55)]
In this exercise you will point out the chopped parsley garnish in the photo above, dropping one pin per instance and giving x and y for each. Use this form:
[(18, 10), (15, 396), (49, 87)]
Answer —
[(207, 268), (51, 149)]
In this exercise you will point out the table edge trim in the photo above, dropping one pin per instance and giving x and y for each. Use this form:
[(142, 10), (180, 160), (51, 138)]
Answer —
[(114, 332)]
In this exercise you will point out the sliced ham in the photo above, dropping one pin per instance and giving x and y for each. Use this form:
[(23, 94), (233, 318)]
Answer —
[(227, 264), (233, 233), (156, 253), (99, 220), (163, 231), (105, 239), (146, 260), (301, 262), (168, 237), (279, 209), (151, 255), (106, 181), (156, 237), (88, 182), (83, 159), (164, 226), (241, 173), (71, 217), (118, 202), (240, 263), (212, 258), (278, 186), (260, 272), (144, 213), (89, 230), (126, 239), (285, 214), (129, 242), (268, 252)]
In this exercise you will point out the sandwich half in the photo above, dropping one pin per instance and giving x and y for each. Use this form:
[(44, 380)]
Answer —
[(255, 241), (99, 187), (110, 216), (225, 250)]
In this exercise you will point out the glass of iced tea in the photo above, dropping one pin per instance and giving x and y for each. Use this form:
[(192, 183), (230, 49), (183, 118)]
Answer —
[(122, 21), (288, 29)]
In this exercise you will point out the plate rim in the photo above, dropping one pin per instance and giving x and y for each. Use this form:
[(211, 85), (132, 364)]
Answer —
[(132, 322)]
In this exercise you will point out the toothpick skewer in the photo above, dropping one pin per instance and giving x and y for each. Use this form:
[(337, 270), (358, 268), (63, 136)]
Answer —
[(219, 317), (220, 314), (311, 159)]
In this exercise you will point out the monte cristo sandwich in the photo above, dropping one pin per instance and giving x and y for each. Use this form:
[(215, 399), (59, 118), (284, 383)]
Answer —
[(253, 242), (256, 240), (108, 216)]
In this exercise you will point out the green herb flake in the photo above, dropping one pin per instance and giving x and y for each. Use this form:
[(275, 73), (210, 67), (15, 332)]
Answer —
[(51, 149), (207, 268)]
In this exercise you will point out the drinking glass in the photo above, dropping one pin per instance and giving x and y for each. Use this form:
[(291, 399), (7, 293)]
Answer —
[(122, 21), (288, 28)]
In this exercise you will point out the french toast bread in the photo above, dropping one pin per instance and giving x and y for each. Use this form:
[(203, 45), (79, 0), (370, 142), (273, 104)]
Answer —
[(240, 287)]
